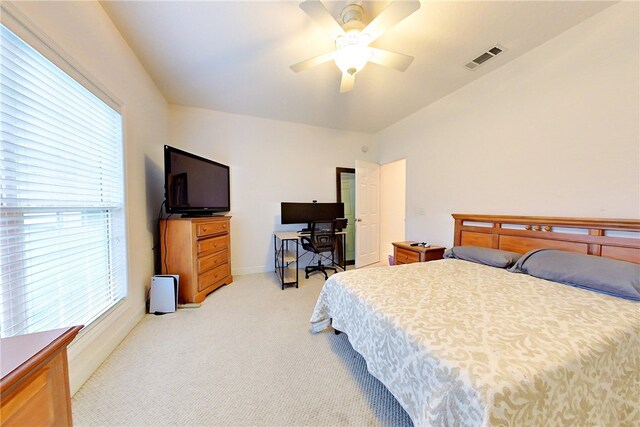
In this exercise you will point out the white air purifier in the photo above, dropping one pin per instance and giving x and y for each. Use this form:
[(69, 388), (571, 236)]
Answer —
[(164, 294)]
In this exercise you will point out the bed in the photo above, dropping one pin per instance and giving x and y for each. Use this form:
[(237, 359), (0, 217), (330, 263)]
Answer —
[(462, 343)]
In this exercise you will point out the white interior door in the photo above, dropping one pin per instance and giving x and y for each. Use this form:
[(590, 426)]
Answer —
[(392, 206), (367, 213)]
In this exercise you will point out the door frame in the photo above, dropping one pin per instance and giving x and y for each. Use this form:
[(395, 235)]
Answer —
[(338, 186), (339, 199)]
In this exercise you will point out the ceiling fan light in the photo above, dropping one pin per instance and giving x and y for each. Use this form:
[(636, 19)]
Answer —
[(351, 59)]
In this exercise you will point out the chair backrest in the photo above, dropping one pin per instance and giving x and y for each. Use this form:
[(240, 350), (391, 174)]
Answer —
[(323, 235)]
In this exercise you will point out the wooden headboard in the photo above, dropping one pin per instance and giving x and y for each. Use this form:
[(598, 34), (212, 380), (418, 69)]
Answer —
[(611, 238)]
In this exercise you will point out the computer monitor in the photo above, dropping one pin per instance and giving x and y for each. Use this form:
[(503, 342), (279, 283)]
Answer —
[(305, 213)]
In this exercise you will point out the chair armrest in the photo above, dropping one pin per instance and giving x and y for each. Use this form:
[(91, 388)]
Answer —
[(305, 238)]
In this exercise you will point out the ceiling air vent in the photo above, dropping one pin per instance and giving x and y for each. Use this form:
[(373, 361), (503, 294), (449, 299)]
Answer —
[(484, 57)]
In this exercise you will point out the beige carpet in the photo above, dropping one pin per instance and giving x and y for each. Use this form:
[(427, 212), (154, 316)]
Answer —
[(244, 358)]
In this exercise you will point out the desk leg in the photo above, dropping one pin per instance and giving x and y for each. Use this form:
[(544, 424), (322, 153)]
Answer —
[(297, 256), (344, 252), (343, 255), (284, 249)]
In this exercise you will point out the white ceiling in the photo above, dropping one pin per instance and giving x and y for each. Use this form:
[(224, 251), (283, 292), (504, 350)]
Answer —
[(234, 56)]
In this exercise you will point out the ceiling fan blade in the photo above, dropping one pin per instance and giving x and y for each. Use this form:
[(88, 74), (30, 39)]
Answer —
[(346, 84), (399, 61), (395, 12), (316, 10), (304, 65)]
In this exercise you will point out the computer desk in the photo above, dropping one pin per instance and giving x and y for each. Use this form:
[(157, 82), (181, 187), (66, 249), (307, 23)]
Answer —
[(286, 261)]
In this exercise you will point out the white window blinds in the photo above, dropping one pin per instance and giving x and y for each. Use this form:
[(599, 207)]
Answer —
[(62, 233)]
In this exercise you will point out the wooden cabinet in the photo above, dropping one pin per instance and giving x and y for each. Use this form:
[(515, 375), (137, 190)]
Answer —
[(34, 390), (404, 253), (198, 250)]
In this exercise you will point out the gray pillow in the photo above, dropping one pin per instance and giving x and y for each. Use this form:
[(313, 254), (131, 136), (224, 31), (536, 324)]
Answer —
[(605, 275), (486, 256)]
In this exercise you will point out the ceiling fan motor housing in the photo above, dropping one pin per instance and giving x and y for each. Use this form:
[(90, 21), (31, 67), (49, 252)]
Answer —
[(352, 17)]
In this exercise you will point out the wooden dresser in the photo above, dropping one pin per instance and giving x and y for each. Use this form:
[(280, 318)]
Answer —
[(404, 253), (199, 251), (34, 390)]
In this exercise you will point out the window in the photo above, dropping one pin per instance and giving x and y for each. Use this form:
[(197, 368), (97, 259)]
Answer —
[(62, 227)]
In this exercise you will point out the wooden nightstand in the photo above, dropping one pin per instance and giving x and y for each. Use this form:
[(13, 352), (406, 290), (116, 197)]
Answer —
[(404, 253)]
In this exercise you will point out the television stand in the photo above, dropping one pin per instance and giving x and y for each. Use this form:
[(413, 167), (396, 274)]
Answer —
[(198, 250)]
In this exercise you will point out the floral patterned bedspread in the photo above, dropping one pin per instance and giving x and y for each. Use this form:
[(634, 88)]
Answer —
[(462, 344)]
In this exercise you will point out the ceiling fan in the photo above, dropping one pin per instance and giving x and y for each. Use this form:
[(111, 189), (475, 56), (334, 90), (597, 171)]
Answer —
[(353, 38)]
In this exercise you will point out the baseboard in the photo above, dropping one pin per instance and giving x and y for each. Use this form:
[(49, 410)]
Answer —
[(90, 349), (302, 262), (251, 270)]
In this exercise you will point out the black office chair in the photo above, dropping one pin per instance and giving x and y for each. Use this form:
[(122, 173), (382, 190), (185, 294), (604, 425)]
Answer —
[(321, 240)]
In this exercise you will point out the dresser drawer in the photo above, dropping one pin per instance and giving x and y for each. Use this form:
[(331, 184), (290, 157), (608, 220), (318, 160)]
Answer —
[(404, 256), (206, 263), (212, 244), (212, 228), (212, 276)]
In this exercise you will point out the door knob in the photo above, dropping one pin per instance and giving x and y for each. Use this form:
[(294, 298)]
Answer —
[(358, 219)]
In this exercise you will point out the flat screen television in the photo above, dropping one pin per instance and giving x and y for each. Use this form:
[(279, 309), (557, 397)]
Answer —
[(193, 185), (305, 213)]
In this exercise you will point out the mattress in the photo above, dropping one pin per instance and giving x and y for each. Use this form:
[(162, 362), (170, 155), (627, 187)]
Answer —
[(459, 343)]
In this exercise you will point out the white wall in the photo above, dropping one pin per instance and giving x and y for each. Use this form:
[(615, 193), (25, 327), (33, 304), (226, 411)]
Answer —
[(554, 132), (392, 206), (86, 34), (270, 162)]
